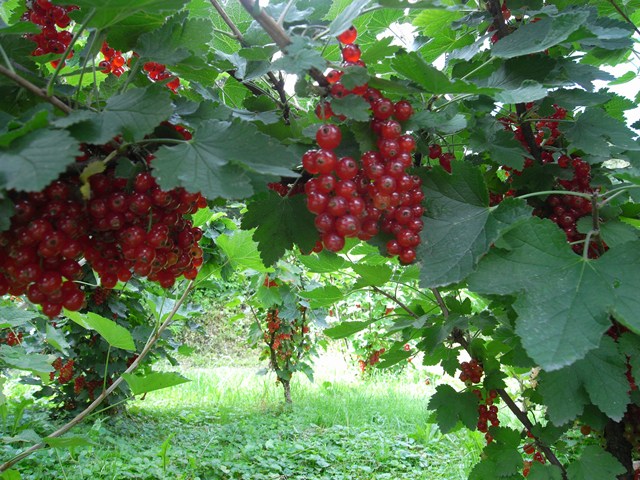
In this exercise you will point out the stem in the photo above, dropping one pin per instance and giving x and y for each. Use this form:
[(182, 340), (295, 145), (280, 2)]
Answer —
[(26, 84), (624, 15), (616, 192), (555, 192), (6, 59), (395, 300), (63, 59), (277, 34), (82, 415), (278, 85), (285, 11)]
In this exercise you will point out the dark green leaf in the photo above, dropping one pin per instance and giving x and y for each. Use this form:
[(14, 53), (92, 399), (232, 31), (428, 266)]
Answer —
[(11, 316), (36, 159), (599, 378), (564, 301), (353, 107), (459, 226), (300, 57), (534, 37), (452, 406), (213, 162), (354, 77), (132, 114), (594, 132), (18, 128), (6, 212), (113, 12), (280, 224), (595, 464)]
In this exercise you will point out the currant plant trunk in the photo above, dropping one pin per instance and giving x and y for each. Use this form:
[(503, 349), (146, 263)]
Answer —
[(619, 447), (286, 385)]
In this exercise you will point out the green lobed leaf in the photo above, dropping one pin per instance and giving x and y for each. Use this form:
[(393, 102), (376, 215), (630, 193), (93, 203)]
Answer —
[(116, 335), (68, 442), (346, 329), (55, 338), (11, 316), (17, 357), (31, 162), (132, 114), (300, 57), (322, 296), (534, 37), (280, 223), (16, 128), (323, 262), (563, 301), (346, 17), (112, 12), (595, 132), (595, 464), (140, 384), (599, 378), (352, 106), (214, 161), (242, 250), (452, 406), (459, 225), (371, 275)]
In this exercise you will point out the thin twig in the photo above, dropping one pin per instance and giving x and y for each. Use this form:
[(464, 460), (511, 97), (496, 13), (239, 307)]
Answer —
[(624, 15), (27, 85), (82, 415), (395, 300), (278, 35), (278, 85)]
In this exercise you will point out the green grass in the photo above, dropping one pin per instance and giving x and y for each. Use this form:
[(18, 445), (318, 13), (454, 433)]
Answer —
[(230, 423)]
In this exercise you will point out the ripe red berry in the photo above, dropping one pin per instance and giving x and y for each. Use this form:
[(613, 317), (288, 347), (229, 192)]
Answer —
[(348, 36), (328, 136)]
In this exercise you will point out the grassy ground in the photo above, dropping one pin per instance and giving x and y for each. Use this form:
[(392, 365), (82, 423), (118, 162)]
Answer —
[(230, 423)]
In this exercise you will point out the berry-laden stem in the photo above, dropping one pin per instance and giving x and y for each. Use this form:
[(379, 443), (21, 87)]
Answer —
[(105, 393), (27, 85), (278, 35)]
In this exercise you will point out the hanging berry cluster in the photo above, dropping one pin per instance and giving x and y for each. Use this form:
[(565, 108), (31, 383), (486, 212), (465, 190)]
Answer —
[(371, 360), (563, 210), (64, 370), (537, 456), (53, 20), (487, 412), (444, 158), (352, 198), (124, 228)]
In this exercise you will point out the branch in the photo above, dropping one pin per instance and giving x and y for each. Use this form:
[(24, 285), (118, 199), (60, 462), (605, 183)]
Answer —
[(458, 336), (624, 15), (395, 300), (278, 85), (26, 84), (278, 35), (82, 415)]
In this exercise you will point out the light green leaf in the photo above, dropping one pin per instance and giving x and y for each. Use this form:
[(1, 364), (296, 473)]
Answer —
[(345, 18), (55, 338), (241, 250), (323, 262), (544, 472), (11, 316), (300, 57), (371, 275), (68, 442), (346, 329), (115, 335), (140, 384), (322, 296)]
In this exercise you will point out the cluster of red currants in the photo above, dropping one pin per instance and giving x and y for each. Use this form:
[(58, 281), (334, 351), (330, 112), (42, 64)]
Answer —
[(12, 339), (51, 18), (371, 360), (471, 372), (124, 228), (444, 158), (65, 370), (353, 198), (487, 413), (538, 456), (113, 61)]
